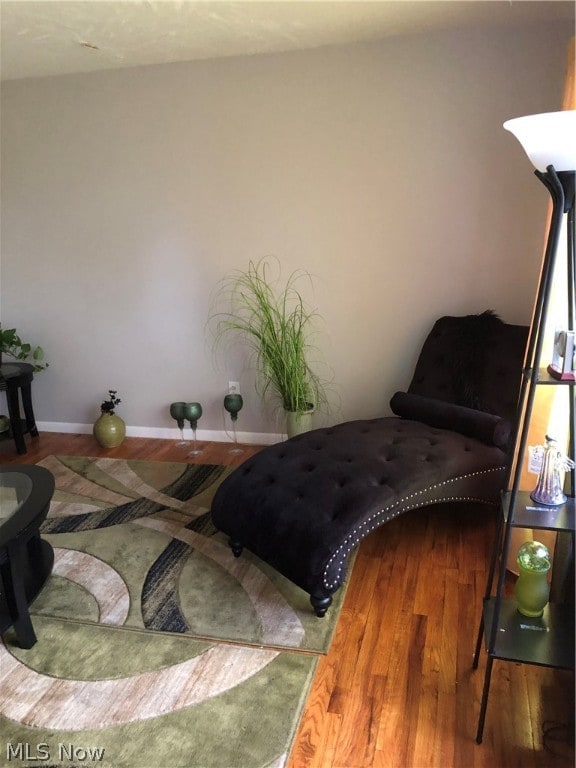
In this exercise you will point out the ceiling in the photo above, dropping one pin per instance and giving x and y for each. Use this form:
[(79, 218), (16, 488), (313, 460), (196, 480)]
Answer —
[(54, 37)]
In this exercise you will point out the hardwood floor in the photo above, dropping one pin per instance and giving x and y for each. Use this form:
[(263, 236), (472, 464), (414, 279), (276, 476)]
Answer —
[(397, 688)]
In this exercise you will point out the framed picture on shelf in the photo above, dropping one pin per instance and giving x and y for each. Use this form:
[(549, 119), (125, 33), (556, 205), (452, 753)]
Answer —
[(562, 365)]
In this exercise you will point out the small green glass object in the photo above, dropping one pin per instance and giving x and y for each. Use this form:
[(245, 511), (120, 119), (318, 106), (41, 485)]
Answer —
[(177, 411), (192, 412), (532, 589), (233, 404)]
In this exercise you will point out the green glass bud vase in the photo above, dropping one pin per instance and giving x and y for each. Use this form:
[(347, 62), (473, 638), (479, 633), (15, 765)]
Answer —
[(109, 430), (532, 589)]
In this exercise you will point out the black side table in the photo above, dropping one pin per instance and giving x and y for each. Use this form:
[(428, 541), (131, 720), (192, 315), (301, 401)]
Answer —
[(16, 378), (26, 560)]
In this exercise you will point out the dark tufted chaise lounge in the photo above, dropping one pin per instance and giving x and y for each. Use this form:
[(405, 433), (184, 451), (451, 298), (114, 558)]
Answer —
[(303, 505)]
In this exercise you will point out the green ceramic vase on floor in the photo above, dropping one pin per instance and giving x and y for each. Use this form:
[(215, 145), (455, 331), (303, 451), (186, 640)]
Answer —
[(109, 430)]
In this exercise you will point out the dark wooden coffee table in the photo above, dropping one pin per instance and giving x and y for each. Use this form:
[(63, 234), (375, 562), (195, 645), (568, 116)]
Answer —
[(25, 559)]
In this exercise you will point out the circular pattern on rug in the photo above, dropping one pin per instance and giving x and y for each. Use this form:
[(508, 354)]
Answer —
[(43, 701), (98, 578), (280, 623)]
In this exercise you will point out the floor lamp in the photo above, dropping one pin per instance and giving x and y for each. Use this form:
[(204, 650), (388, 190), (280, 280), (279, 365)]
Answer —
[(549, 140)]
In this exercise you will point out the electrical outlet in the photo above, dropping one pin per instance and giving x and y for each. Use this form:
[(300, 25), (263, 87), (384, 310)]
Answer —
[(234, 387)]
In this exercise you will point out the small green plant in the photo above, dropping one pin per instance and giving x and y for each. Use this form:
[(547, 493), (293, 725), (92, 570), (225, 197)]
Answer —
[(276, 324), (109, 405), (11, 344)]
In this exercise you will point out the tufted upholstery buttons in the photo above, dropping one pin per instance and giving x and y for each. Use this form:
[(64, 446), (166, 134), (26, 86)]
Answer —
[(304, 505), (306, 515)]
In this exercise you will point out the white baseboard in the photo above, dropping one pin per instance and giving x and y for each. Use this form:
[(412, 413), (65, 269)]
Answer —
[(166, 433)]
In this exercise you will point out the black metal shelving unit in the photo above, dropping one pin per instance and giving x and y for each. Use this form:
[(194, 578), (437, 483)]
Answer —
[(506, 634)]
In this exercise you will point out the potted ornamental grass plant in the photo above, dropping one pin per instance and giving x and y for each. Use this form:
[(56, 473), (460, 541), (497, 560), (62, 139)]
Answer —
[(273, 320)]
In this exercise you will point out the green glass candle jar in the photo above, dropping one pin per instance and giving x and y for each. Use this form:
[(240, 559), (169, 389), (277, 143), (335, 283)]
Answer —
[(532, 589)]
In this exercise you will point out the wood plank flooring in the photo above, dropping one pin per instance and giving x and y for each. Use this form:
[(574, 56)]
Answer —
[(397, 689)]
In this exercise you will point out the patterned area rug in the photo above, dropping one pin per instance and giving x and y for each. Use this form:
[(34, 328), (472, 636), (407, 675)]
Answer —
[(156, 647), (89, 695), (135, 547)]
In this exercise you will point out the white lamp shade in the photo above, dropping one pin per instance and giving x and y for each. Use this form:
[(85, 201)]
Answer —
[(547, 139)]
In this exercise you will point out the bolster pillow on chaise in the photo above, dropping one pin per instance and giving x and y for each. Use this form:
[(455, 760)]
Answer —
[(486, 427)]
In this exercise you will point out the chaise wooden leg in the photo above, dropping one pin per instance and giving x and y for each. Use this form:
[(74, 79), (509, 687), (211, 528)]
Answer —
[(320, 604), (236, 547)]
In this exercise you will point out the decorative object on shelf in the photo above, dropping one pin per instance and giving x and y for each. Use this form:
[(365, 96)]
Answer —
[(276, 324), (532, 589), (11, 344), (548, 140), (548, 490), (177, 411), (109, 430), (562, 365), (192, 412), (233, 403)]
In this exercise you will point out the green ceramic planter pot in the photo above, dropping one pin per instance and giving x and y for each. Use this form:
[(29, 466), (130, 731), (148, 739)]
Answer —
[(109, 430), (532, 589), (298, 422)]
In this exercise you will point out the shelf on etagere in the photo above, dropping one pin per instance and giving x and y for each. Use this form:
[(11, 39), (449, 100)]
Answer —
[(546, 641), (544, 377), (529, 514), (549, 641)]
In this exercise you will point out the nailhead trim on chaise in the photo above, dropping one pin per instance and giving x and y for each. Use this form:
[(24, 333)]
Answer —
[(305, 504)]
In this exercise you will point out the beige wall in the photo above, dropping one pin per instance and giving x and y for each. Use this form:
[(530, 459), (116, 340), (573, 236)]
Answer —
[(381, 168)]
